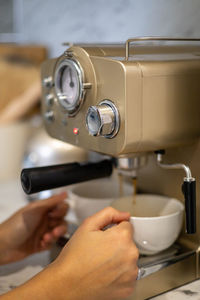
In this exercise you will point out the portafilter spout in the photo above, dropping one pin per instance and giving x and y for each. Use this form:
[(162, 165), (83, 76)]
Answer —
[(35, 180), (129, 166)]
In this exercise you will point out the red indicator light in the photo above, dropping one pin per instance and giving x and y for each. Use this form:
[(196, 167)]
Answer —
[(76, 131)]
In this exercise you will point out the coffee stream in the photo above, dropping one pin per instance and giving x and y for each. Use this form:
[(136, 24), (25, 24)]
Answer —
[(134, 181), (121, 188)]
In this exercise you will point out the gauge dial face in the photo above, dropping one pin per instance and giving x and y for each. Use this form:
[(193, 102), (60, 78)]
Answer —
[(68, 84)]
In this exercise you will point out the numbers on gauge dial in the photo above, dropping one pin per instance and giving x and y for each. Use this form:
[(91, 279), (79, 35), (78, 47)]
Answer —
[(69, 86)]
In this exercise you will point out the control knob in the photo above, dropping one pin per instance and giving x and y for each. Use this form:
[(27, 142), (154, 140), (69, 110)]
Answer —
[(103, 119)]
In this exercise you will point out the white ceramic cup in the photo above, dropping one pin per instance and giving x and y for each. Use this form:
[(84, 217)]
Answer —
[(157, 221), (87, 198)]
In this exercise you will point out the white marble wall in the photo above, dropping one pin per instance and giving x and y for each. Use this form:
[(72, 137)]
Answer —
[(52, 22)]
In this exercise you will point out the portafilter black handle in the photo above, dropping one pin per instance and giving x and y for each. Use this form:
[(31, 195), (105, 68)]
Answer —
[(189, 191), (39, 179)]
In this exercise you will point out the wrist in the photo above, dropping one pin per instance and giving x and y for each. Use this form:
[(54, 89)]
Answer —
[(8, 253), (4, 248)]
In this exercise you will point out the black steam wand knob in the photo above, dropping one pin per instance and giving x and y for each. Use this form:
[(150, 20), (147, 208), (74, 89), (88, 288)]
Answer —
[(188, 189), (189, 192), (35, 180)]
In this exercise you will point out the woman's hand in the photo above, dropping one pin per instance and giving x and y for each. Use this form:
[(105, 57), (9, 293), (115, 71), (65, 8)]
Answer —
[(95, 264), (33, 228)]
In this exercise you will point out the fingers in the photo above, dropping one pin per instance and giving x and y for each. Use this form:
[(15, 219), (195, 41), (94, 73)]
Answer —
[(51, 202), (59, 211), (125, 226), (59, 230), (55, 217), (45, 245), (124, 229), (105, 217), (50, 237)]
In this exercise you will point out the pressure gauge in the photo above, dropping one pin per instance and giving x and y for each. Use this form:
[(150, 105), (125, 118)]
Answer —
[(69, 85)]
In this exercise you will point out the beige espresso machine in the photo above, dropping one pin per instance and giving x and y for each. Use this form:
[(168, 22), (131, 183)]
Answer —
[(130, 102)]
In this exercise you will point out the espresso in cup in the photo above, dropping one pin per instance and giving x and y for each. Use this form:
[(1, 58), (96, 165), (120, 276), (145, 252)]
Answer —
[(157, 220)]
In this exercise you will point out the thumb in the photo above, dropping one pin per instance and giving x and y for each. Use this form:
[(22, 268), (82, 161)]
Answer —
[(106, 216)]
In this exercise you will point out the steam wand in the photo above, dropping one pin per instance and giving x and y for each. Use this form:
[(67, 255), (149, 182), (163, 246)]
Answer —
[(188, 189)]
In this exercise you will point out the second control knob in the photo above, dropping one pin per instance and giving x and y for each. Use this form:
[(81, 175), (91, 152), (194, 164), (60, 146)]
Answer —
[(103, 119)]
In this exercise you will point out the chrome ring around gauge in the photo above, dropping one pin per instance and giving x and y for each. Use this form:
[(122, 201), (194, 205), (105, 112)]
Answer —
[(69, 85)]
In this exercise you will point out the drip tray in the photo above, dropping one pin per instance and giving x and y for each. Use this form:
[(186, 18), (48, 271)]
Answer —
[(167, 257)]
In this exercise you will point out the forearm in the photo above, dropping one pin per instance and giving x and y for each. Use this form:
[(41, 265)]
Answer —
[(43, 286), (37, 288)]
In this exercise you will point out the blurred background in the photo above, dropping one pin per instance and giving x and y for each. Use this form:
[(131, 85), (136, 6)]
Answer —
[(34, 30), (53, 22)]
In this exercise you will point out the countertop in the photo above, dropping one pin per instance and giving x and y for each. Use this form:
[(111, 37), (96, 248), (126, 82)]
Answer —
[(188, 291), (12, 275)]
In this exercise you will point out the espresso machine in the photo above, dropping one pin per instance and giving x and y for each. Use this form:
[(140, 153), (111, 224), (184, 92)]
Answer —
[(139, 105)]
